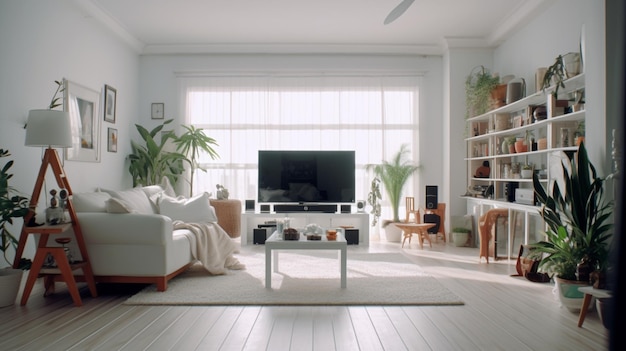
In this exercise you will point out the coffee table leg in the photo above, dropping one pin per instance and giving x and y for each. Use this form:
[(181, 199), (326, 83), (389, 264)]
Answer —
[(344, 259), (268, 268)]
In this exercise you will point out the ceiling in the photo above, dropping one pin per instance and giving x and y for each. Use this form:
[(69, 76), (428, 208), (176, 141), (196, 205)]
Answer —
[(309, 26)]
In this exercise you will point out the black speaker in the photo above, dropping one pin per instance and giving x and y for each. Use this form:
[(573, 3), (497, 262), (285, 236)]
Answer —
[(265, 208), (352, 236), (346, 208), (259, 236), (249, 205), (431, 197), (509, 191)]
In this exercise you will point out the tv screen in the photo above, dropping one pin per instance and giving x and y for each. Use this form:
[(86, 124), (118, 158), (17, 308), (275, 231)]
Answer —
[(306, 176)]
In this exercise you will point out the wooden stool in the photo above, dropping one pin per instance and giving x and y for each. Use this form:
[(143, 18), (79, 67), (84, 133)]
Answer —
[(421, 229), (486, 225)]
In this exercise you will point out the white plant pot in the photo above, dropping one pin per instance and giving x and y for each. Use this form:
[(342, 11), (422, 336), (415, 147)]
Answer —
[(459, 239), (10, 280), (526, 173), (569, 296), (393, 233)]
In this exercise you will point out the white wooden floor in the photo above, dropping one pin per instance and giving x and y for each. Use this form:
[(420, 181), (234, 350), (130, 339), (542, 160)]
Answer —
[(500, 313)]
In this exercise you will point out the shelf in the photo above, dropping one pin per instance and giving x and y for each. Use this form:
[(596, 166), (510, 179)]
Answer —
[(55, 270), (48, 229)]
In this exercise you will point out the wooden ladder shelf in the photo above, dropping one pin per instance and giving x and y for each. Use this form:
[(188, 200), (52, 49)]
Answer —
[(64, 269)]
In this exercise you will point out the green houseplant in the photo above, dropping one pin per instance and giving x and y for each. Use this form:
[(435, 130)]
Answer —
[(190, 144), (150, 162), (393, 175), (373, 199), (478, 87), (577, 217), (12, 206)]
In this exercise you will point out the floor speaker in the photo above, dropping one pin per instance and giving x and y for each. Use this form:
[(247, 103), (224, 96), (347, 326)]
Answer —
[(259, 236), (352, 236), (360, 206), (431, 197)]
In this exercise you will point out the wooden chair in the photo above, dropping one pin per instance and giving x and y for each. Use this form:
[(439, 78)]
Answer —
[(441, 212), (487, 226), (410, 209)]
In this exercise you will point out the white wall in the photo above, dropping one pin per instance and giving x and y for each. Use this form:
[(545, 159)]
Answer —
[(158, 84), (44, 41)]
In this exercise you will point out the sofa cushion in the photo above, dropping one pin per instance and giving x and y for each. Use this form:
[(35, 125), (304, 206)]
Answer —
[(134, 199), (193, 210), (115, 205), (90, 202)]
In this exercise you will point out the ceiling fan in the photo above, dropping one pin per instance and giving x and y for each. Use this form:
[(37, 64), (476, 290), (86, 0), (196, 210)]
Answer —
[(398, 11)]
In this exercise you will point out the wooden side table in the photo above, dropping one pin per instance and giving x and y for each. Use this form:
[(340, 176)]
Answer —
[(228, 214), (421, 229)]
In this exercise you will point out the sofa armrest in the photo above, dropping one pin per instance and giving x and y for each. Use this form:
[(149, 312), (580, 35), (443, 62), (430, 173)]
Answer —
[(128, 228)]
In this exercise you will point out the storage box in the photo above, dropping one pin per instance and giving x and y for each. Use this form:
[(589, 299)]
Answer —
[(525, 196)]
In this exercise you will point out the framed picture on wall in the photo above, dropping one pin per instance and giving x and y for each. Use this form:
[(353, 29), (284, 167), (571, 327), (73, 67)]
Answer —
[(112, 140), (83, 106), (157, 110), (110, 103)]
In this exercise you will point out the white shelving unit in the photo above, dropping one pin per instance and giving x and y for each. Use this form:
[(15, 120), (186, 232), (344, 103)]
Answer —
[(487, 132)]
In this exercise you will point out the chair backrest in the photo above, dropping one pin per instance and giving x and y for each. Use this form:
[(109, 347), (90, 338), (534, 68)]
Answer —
[(410, 203)]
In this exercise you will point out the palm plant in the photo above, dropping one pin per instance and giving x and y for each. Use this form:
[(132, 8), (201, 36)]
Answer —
[(394, 176), (149, 163), (190, 144), (577, 220)]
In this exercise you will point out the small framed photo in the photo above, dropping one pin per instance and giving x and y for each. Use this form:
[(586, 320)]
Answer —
[(112, 140), (157, 110), (110, 103)]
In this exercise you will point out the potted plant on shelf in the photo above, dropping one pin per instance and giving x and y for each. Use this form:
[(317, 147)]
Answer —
[(564, 67), (478, 87), (527, 171), (578, 228), (579, 134), (508, 145), (394, 175), (12, 206)]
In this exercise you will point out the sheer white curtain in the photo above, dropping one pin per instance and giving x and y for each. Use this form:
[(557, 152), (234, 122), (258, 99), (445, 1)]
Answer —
[(373, 115)]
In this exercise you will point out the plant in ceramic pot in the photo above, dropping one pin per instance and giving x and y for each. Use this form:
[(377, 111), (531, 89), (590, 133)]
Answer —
[(478, 87), (461, 236), (577, 216), (393, 175), (527, 171), (12, 206), (508, 145)]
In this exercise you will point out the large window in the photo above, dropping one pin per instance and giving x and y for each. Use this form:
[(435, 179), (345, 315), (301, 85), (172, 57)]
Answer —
[(372, 115)]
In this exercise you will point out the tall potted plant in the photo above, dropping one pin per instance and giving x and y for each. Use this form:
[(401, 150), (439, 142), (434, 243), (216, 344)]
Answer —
[(578, 229), (12, 206), (393, 175), (150, 162), (478, 87), (190, 144)]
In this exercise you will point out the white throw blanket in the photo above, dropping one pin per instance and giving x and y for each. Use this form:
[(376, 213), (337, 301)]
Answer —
[(211, 245)]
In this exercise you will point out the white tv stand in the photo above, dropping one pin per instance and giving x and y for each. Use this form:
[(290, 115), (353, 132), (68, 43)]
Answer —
[(360, 221)]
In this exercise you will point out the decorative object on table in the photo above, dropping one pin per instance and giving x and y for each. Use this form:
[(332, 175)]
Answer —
[(578, 217), (221, 193), (394, 175), (540, 73), (110, 103), (508, 145), (82, 104), (540, 113), (190, 143), (564, 137), (478, 86), (291, 234), (54, 213), (331, 234), (542, 143), (520, 145), (516, 89), (313, 228), (157, 110), (112, 140), (483, 171), (151, 162)]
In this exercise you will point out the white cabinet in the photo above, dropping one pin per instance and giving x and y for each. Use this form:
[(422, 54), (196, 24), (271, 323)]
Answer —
[(522, 120), (360, 221)]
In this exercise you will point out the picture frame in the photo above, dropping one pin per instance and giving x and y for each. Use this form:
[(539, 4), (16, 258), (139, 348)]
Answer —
[(83, 106), (112, 139), (157, 110), (110, 103)]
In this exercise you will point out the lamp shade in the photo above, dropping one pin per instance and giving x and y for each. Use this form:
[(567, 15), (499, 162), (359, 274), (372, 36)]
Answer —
[(48, 128)]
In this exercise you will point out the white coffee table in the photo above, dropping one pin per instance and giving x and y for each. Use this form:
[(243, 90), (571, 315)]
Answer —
[(275, 243)]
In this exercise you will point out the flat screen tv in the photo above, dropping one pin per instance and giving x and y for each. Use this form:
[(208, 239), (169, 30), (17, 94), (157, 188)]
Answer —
[(306, 176)]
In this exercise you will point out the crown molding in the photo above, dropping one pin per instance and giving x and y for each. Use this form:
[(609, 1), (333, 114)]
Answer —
[(517, 18)]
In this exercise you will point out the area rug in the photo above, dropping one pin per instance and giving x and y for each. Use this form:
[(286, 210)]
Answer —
[(306, 278)]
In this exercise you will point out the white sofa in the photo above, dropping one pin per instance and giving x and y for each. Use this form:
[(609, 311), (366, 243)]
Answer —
[(128, 241)]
